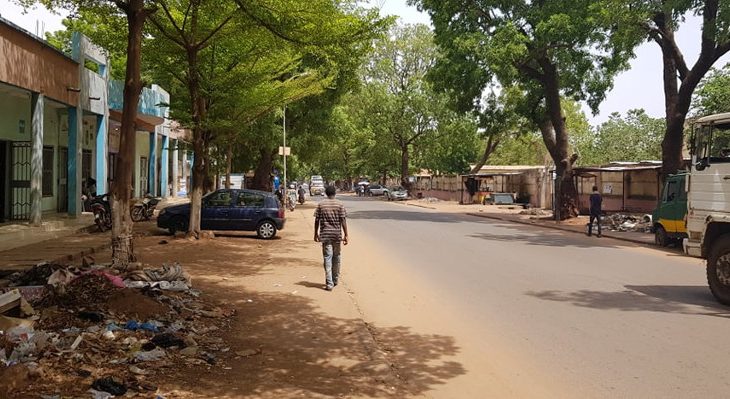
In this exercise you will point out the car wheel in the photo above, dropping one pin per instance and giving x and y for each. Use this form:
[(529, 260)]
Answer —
[(266, 230), (179, 223)]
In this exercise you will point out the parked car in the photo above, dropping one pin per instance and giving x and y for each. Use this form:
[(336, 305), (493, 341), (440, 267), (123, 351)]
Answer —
[(377, 189), (397, 193), (229, 209)]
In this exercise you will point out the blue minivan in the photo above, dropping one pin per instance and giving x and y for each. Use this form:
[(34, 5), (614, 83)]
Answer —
[(229, 209)]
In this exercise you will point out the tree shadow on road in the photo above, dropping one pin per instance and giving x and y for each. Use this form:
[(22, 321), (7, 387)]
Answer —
[(681, 299), (409, 216), (300, 350), (536, 235)]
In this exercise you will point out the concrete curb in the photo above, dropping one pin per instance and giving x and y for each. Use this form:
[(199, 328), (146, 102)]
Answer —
[(421, 206), (627, 239)]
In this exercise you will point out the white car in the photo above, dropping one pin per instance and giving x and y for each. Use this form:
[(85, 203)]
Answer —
[(377, 189)]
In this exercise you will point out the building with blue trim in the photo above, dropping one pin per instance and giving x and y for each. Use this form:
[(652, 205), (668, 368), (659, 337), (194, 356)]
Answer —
[(59, 127)]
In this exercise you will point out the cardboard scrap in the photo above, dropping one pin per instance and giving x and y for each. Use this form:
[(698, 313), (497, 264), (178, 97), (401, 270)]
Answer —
[(7, 323), (10, 300)]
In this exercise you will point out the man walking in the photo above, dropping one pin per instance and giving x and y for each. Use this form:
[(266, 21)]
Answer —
[(329, 223), (595, 211)]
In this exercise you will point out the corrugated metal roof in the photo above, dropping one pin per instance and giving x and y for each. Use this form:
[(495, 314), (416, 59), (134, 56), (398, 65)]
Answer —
[(715, 119)]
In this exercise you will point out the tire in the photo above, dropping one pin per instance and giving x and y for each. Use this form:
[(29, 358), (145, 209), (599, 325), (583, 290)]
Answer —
[(179, 223), (718, 269), (660, 236), (99, 224), (137, 214), (266, 230)]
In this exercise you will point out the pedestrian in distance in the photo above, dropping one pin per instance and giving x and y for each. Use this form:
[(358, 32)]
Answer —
[(595, 211), (330, 222)]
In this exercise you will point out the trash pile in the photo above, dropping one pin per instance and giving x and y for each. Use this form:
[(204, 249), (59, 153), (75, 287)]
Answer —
[(94, 331), (536, 212), (627, 222)]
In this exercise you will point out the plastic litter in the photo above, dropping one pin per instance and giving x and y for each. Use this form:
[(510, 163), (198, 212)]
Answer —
[(146, 356), (134, 326), (90, 316), (110, 385), (168, 272), (167, 340), (100, 395)]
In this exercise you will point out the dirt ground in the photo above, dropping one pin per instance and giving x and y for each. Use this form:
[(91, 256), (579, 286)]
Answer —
[(289, 337)]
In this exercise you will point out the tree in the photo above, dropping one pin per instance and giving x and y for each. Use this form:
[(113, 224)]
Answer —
[(401, 106), (713, 93), (548, 50), (662, 20), (136, 13), (637, 137)]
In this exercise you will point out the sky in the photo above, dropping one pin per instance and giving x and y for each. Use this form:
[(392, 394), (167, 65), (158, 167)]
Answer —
[(638, 87)]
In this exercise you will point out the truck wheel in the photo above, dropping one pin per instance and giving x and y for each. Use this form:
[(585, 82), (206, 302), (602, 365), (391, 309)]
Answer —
[(718, 269), (660, 236)]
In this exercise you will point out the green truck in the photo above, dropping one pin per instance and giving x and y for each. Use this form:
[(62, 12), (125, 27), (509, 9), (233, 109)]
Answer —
[(669, 219)]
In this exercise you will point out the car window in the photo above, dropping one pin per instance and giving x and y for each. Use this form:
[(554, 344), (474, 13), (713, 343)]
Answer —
[(219, 198), (250, 200)]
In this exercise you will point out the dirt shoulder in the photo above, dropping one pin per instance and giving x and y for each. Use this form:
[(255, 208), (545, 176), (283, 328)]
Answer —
[(289, 337)]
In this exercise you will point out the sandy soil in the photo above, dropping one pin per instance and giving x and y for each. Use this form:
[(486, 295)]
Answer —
[(289, 337)]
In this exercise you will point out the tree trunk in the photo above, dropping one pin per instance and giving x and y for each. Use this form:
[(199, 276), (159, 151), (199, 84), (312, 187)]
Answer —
[(404, 161), (678, 96), (197, 105), (489, 148), (555, 136), (121, 190), (229, 164), (262, 173)]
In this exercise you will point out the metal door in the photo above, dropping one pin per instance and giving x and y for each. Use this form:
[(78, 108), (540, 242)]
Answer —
[(62, 179), (144, 171), (20, 158), (4, 166)]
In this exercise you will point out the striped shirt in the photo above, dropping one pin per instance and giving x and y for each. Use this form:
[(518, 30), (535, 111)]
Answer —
[(331, 214)]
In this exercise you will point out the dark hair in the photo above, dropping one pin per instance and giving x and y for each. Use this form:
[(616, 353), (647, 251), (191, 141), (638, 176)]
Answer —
[(595, 188), (330, 191)]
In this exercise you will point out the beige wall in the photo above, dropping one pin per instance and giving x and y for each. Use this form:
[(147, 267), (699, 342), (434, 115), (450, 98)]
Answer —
[(27, 63)]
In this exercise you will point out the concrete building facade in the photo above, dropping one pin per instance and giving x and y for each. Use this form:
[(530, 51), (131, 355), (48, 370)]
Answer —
[(59, 128)]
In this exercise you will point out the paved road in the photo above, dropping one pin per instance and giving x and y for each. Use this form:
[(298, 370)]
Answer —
[(469, 307)]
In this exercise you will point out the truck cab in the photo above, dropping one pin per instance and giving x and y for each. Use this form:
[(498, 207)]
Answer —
[(708, 202), (668, 219)]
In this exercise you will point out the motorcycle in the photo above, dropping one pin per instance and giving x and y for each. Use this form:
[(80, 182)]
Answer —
[(301, 195), (291, 199), (102, 211), (145, 208)]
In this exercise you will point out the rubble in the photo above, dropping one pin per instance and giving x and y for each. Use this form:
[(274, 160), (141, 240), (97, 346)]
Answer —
[(85, 324), (627, 222)]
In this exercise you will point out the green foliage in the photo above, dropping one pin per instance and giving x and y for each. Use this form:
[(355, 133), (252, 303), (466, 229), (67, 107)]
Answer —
[(545, 50), (713, 93), (452, 150), (582, 138), (635, 137), (523, 149), (410, 124)]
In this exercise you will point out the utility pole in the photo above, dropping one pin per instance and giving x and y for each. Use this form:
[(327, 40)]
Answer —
[(286, 188)]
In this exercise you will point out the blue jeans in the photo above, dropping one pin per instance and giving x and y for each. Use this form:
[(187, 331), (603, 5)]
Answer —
[(331, 254)]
